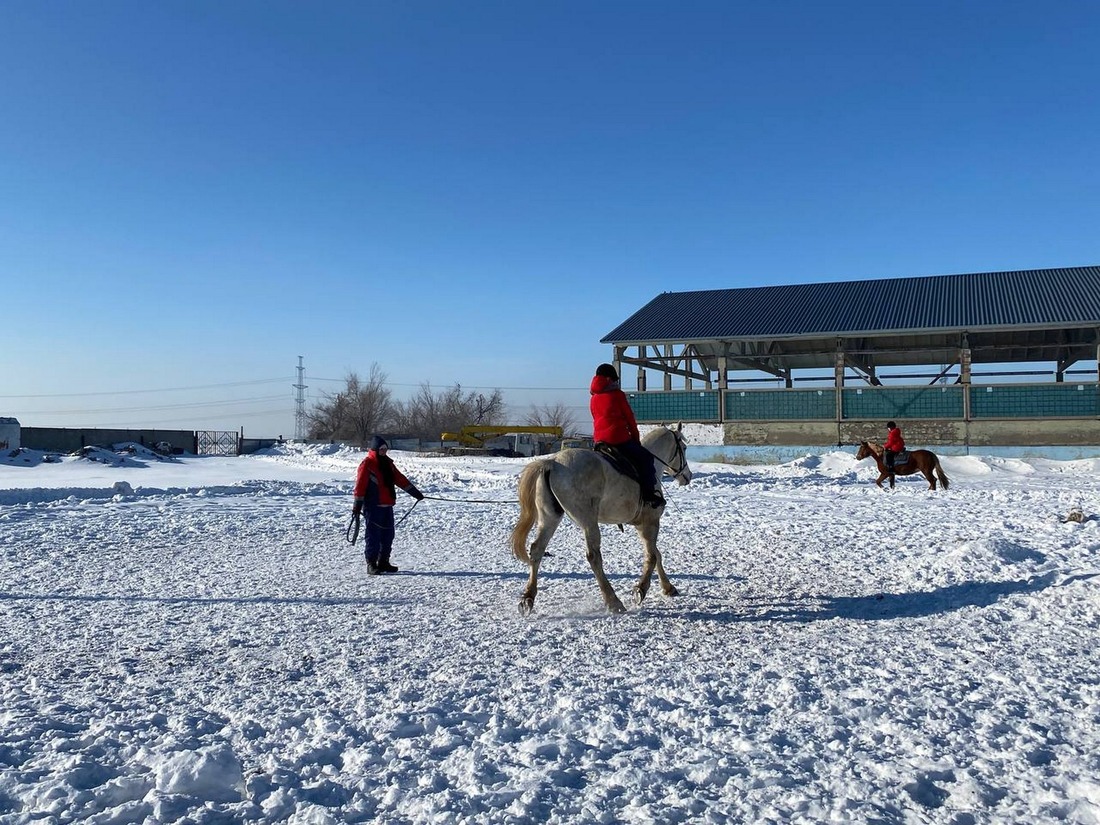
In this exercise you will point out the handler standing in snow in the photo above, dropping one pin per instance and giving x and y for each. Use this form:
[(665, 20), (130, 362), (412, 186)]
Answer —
[(375, 494)]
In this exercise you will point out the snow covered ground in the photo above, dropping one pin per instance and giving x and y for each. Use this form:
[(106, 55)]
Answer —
[(193, 640)]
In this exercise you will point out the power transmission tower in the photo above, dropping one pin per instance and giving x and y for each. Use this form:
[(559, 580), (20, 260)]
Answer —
[(300, 401)]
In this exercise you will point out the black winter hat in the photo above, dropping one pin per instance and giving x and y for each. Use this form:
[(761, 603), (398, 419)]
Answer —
[(890, 425), (607, 371), (378, 442)]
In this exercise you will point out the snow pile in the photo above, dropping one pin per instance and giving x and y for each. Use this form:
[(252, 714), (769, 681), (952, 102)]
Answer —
[(194, 641)]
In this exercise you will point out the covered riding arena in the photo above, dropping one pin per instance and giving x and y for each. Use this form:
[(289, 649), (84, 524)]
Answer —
[(983, 359)]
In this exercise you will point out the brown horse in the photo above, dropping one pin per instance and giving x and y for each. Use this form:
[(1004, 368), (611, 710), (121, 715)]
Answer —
[(920, 461)]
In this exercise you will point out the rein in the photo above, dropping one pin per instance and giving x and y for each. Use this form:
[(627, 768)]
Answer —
[(679, 454), (407, 514), (352, 533), (472, 500)]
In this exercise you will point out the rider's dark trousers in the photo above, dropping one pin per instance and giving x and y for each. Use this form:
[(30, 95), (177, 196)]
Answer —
[(642, 459)]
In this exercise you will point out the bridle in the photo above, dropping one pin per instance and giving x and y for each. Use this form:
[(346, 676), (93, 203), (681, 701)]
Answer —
[(680, 454)]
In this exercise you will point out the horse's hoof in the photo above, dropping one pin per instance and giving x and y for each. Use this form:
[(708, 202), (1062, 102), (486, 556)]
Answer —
[(672, 591), (639, 596), (526, 606), (616, 607)]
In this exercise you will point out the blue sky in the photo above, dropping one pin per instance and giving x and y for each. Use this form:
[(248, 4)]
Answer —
[(193, 194)]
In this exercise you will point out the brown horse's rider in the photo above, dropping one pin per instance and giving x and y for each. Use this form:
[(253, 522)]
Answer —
[(894, 445)]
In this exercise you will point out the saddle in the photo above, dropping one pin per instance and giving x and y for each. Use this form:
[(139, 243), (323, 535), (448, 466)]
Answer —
[(901, 458), (626, 467), (617, 460)]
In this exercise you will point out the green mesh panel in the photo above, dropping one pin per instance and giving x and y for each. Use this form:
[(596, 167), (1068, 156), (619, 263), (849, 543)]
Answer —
[(903, 402), (1035, 401), (776, 405), (1069, 400), (687, 405)]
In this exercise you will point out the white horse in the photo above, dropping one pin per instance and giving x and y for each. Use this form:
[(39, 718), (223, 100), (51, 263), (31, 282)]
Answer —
[(585, 486)]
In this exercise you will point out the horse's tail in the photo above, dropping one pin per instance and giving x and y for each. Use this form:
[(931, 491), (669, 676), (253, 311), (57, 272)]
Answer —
[(528, 510), (941, 475)]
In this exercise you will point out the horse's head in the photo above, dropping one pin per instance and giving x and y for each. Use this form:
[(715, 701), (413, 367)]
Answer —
[(866, 448), (669, 448), (683, 476)]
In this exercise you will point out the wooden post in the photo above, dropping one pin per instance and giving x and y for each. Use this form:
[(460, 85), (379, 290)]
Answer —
[(965, 375), (838, 372)]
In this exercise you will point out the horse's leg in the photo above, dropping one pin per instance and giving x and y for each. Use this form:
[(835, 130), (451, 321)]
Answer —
[(927, 470), (648, 534), (595, 560), (548, 523), (888, 471)]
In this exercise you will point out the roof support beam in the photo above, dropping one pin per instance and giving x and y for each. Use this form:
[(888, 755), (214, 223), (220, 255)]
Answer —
[(864, 369), (669, 363), (943, 372)]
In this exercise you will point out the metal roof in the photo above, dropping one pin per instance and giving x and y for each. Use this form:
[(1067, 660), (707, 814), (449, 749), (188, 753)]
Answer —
[(1027, 299)]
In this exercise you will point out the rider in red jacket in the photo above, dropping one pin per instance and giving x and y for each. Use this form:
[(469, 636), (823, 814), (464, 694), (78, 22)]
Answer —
[(613, 424), (894, 445)]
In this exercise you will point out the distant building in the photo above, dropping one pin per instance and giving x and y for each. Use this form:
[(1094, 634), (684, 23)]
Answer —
[(984, 359), (9, 434)]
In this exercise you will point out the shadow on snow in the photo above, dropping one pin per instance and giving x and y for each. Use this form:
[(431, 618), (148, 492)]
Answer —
[(886, 606)]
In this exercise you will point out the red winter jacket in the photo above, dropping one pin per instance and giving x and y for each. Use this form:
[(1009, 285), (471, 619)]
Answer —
[(894, 442), (370, 481), (612, 419)]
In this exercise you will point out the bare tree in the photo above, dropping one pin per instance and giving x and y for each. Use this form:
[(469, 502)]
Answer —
[(488, 409), (356, 413), (552, 415), (429, 414)]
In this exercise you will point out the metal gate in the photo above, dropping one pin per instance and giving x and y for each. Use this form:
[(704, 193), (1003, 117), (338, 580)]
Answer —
[(217, 442)]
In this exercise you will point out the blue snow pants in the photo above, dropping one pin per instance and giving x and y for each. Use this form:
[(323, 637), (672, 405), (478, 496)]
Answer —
[(380, 533)]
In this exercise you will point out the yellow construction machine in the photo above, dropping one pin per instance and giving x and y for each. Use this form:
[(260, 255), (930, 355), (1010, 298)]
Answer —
[(503, 439)]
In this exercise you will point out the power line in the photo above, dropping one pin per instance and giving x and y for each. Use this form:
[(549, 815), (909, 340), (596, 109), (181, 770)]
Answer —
[(464, 386), (137, 392), (183, 423), (186, 405), (188, 423), (278, 381)]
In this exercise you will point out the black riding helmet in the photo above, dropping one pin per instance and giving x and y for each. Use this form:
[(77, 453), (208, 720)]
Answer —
[(890, 425), (607, 371)]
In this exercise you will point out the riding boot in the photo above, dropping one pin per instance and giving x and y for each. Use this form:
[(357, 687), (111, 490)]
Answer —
[(371, 550), (384, 565)]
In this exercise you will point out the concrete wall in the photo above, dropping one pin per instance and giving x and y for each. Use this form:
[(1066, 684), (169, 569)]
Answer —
[(1049, 433), (925, 432), (69, 440)]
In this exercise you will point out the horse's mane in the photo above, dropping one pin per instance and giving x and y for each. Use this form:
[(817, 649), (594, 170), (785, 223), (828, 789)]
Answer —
[(875, 448)]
